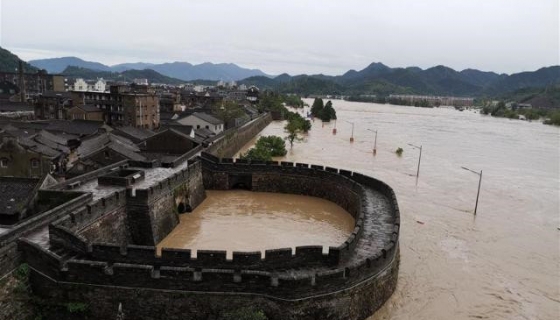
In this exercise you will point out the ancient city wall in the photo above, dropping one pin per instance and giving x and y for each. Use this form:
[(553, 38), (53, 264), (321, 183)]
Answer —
[(115, 261), (10, 256), (332, 285), (131, 216), (229, 142)]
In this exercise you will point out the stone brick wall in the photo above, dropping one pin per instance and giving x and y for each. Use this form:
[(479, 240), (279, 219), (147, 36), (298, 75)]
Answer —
[(173, 302), (229, 142), (306, 284), (10, 256)]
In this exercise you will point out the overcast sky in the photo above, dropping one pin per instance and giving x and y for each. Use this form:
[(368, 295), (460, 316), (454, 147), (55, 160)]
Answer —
[(294, 36)]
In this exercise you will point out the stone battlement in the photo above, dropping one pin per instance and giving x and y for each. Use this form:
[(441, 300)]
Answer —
[(104, 250), (279, 272)]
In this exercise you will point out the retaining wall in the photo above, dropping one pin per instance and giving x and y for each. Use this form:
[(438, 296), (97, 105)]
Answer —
[(229, 142)]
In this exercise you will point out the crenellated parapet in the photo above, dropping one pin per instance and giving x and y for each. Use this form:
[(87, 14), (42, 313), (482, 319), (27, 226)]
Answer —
[(360, 272)]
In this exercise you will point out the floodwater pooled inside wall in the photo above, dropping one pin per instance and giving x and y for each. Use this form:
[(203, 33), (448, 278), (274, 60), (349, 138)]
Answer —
[(239, 220)]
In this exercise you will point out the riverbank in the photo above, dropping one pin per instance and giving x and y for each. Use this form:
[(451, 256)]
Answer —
[(454, 265)]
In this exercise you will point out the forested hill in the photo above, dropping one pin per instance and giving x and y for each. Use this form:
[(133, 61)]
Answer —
[(9, 62), (379, 79), (125, 76)]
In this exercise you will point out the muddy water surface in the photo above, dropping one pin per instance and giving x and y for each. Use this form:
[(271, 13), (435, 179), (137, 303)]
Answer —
[(503, 264), (254, 221)]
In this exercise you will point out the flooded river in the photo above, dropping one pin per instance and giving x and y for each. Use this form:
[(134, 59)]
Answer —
[(503, 264), (241, 220)]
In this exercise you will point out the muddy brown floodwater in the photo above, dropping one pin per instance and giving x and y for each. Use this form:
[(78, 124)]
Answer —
[(240, 220), (503, 264)]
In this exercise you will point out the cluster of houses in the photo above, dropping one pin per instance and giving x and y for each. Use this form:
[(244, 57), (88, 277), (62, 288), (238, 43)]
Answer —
[(54, 132)]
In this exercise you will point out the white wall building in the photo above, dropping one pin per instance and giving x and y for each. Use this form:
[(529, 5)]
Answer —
[(100, 85), (200, 120), (82, 85)]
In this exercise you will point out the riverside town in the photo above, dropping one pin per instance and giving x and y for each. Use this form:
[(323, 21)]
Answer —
[(294, 177)]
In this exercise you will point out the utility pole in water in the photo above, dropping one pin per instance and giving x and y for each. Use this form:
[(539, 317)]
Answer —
[(375, 142), (479, 183), (419, 158), (352, 136)]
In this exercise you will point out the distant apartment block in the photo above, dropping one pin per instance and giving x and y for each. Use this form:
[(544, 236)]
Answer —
[(39, 82), (123, 106)]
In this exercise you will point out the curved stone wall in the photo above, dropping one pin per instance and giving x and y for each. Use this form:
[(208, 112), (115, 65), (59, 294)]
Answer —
[(349, 282)]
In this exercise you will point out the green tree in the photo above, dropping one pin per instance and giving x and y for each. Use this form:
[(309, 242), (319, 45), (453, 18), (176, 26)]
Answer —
[(327, 113), (554, 119), (293, 100), (273, 144), (257, 154), (227, 111), (304, 123), (269, 101), (294, 128), (317, 107)]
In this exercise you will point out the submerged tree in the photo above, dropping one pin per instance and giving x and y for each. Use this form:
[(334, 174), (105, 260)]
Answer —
[(317, 107), (273, 144), (294, 128), (266, 148), (328, 113)]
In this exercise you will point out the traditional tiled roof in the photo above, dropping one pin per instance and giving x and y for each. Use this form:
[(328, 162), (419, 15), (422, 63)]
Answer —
[(38, 147), (204, 133), (61, 139), (178, 127), (115, 142), (52, 141), (15, 194), (77, 127), (15, 106), (208, 118), (133, 133)]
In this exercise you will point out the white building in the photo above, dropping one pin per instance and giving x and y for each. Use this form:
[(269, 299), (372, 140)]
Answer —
[(142, 82), (100, 85), (200, 120), (82, 85)]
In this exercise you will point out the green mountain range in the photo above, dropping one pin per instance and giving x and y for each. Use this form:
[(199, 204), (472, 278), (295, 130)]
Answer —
[(379, 79), (124, 76), (540, 86), (9, 62), (179, 70)]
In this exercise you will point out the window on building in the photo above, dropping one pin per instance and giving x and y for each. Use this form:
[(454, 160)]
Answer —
[(3, 162), (198, 126), (106, 154), (34, 163), (207, 127)]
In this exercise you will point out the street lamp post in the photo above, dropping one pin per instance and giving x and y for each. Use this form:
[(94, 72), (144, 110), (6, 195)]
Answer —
[(419, 158), (375, 142), (352, 136), (479, 183)]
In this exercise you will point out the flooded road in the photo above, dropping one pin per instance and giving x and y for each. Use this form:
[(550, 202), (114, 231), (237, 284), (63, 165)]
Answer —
[(254, 221), (503, 264)]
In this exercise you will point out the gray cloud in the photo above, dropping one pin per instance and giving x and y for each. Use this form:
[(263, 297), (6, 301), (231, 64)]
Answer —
[(290, 36)]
